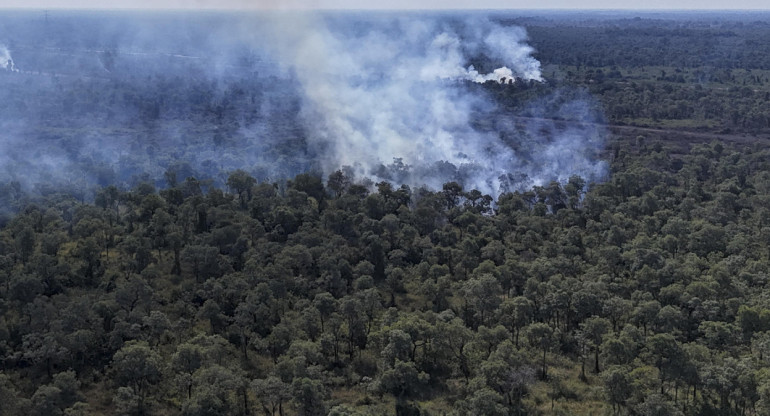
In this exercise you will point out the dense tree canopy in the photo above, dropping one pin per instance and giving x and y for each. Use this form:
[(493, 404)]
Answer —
[(237, 295), (642, 294)]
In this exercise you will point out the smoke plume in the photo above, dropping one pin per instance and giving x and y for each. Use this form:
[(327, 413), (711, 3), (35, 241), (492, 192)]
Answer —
[(409, 98), (6, 62), (388, 90)]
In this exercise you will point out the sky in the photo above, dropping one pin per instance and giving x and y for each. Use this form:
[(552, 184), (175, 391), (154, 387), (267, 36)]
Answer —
[(389, 5)]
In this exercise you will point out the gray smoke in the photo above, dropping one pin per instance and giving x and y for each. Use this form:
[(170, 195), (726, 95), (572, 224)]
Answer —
[(393, 90), (405, 98)]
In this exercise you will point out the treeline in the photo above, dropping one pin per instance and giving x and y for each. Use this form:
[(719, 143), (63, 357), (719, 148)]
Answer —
[(677, 41), (622, 97), (644, 295), (734, 108), (672, 71)]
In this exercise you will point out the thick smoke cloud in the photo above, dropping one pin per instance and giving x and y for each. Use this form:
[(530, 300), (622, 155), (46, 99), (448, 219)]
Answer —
[(384, 90), (121, 98)]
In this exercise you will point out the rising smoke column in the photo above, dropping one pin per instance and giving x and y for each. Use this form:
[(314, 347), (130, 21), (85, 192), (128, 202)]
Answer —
[(395, 89)]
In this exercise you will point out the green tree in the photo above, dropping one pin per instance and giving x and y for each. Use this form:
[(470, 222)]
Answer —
[(218, 391), (618, 388), (11, 401), (272, 394), (594, 329), (540, 336), (308, 396), (140, 368), (482, 294), (241, 183)]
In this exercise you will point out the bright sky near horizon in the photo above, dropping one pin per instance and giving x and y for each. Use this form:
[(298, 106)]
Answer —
[(390, 4)]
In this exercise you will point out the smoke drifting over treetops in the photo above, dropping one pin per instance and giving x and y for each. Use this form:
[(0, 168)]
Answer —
[(392, 89), (397, 97)]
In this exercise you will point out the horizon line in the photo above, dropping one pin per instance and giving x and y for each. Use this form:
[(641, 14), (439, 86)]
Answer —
[(373, 9)]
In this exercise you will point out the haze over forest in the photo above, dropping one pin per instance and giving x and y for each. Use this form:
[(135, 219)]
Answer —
[(384, 212), (390, 97)]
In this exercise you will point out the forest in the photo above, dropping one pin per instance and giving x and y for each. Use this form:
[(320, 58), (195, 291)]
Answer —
[(244, 294)]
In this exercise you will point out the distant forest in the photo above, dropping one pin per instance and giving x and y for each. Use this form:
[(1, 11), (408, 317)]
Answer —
[(697, 71), (235, 293)]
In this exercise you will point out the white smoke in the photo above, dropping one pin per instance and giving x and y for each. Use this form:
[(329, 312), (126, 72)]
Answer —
[(6, 62), (502, 75), (395, 97), (391, 90), (509, 44)]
